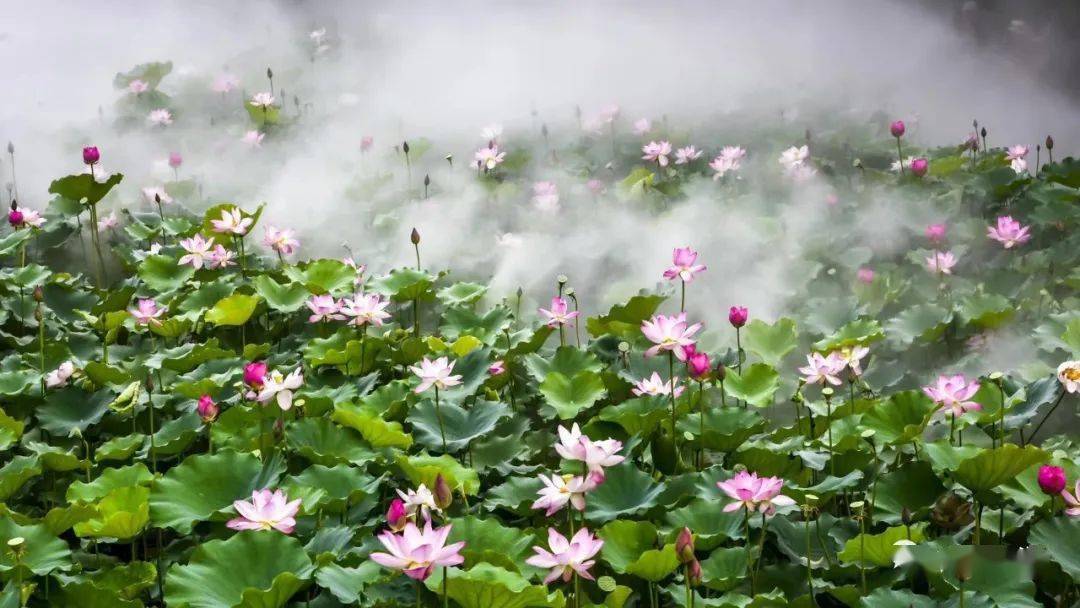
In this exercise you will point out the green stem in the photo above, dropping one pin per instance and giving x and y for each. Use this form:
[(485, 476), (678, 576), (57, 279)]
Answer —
[(438, 414), (749, 553), (682, 304), (809, 571), (671, 379), (1048, 414), (701, 431)]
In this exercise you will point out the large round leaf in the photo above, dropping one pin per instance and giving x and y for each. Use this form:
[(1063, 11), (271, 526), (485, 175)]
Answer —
[(485, 586), (626, 490), (43, 552), (1060, 536), (460, 425), (201, 486)]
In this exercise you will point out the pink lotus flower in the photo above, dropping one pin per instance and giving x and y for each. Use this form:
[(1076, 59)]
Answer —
[(1052, 479), (1019, 166), (324, 308), (1072, 501), (1068, 374), (642, 126), (491, 132), (282, 241), (832, 200), (1016, 152), (657, 152), (954, 393), (546, 196), (497, 368), (851, 358), (396, 517), (794, 157), (225, 83), (595, 186), (754, 493), (366, 142), (698, 365), (567, 558), (669, 334), (683, 265), (559, 313), (435, 373), (266, 511), (281, 388), (365, 309), (919, 167), (687, 155), (971, 141), (416, 552), (730, 159), (655, 386), (489, 157), (936, 232), (596, 455), (147, 312), (220, 257), (23, 217), (865, 275), (262, 100), (941, 262), (198, 251), (91, 155), (1009, 232), (15, 217), (232, 222), (59, 377), (559, 490), (160, 117), (255, 374), (897, 128), (609, 113), (175, 160), (208, 410), (821, 369), (108, 222), (419, 502), (737, 316), (138, 86), (253, 138)]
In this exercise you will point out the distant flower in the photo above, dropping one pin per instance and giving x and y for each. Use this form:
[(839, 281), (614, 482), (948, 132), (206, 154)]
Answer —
[(1009, 232), (138, 86), (851, 357), (754, 493), (737, 316), (832, 200), (794, 157), (821, 369), (23, 217), (1052, 479), (489, 157), (609, 113), (1019, 165), (936, 232), (687, 155), (953, 394), (657, 152), (207, 409), (595, 186), (1068, 374), (160, 117), (108, 222), (1072, 501), (941, 261), (253, 138), (642, 126), (567, 558), (497, 368), (220, 257), (324, 308), (596, 455), (396, 518), (972, 141), (175, 160), (865, 275), (232, 222), (282, 241), (262, 100), (255, 374), (266, 511), (801, 173), (419, 502), (730, 159), (683, 265), (559, 490), (365, 309), (669, 333), (91, 155), (435, 373), (655, 386), (919, 167), (546, 196), (559, 313), (225, 83), (366, 142), (492, 132), (279, 387), (154, 193), (147, 311), (59, 377), (198, 251), (897, 128), (1015, 152), (416, 553)]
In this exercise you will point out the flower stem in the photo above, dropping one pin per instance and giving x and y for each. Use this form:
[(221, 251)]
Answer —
[(671, 377), (809, 571), (682, 305), (438, 414), (749, 554), (899, 156), (1041, 422), (701, 431)]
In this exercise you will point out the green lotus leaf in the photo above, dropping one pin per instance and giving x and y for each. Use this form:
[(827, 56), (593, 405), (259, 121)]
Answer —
[(43, 552), (10, 430), (1060, 536), (102, 374), (288, 297), (728, 428), (569, 395), (460, 425), (514, 494), (919, 322), (827, 537), (61, 519), (991, 468), (770, 342), (641, 415), (484, 586), (896, 598), (347, 584), (336, 486), (84, 188), (233, 310), (464, 321), (567, 361), (757, 384), (107, 481), (901, 418), (366, 420), (488, 540), (274, 568), (460, 294), (121, 514), (624, 320), (323, 442), (914, 486), (201, 486), (710, 524), (403, 284), (17, 472), (878, 549), (163, 273), (626, 490), (119, 448), (54, 458), (187, 357), (859, 332), (724, 568), (423, 468), (625, 540), (16, 382)]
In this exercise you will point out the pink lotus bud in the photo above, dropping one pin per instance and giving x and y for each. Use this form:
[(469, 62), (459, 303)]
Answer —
[(866, 275), (919, 167), (698, 365), (175, 160), (15, 217), (831, 200), (693, 571), (738, 315), (1051, 479), (366, 142), (444, 496), (897, 128), (208, 410), (90, 155), (396, 517), (496, 368), (936, 232), (684, 546), (255, 374)]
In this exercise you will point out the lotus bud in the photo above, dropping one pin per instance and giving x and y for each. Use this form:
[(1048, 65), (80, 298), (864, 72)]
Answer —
[(15, 217), (1049, 143), (255, 374), (905, 516), (963, 569), (39, 294), (897, 128), (450, 160), (396, 516), (11, 147), (208, 410), (919, 167), (269, 73), (405, 147), (444, 496), (415, 237), (427, 180), (157, 198), (983, 132), (1051, 479), (684, 546), (698, 365), (175, 160), (721, 371), (91, 155), (149, 384), (951, 512), (737, 316), (693, 571)]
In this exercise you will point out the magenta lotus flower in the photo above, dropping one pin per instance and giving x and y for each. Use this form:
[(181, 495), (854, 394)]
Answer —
[(567, 558), (687, 155), (266, 511), (657, 152), (919, 167), (683, 265), (954, 393), (1068, 374), (262, 100), (419, 502), (232, 222), (821, 369), (497, 368), (865, 275), (1052, 480), (15, 217), (936, 232), (365, 309), (366, 142), (596, 455), (941, 262), (489, 157), (416, 553), (669, 333), (255, 374), (654, 386), (754, 493), (1009, 232), (175, 160), (207, 409), (642, 126), (147, 312), (59, 377), (546, 196), (396, 518), (698, 365), (897, 128), (737, 316), (198, 251), (91, 155), (282, 241), (324, 308), (435, 373), (971, 142), (559, 490), (279, 387), (220, 257), (595, 186), (559, 313), (1072, 501)]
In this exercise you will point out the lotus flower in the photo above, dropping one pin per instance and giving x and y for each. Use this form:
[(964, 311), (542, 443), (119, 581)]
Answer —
[(22, 217), (936, 232), (266, 511), (198, 251), (160, 117), (262, 100), (657, 152), (366, 142), (865, 275), (754, 493), (898, 165), (655, 386), (492, 132), (59, 377), (220, 257), (1015, 152), (225, 83), (1009, 232), (595, 186), (737, 316), (684, 546), (138, 86), (687, 155), (698, 365), (282, 241), (794, 157), (416, 552), (91, 155), (1068, 374), (971, 141), (851, 357), (497, 368), (232, 222), (365, 309), (208, 410), (941, 262), (1052, 480), (108, 222), (255, 374), (683, 265), (15, 217), (730, 159), (146, 312), (919, 167), (489, 157), (1019, 165), (253, 138), (559, 490), (1072, 501), (419, 502), (669, 334), (559, 313), (596, 455), (324, 308), (609, 113), (821, 369), (396, 517), (897, 128), (546, 196), (567, 558), (435, 373), (281, 388), (954, 393), (175, 160), (642, 126)]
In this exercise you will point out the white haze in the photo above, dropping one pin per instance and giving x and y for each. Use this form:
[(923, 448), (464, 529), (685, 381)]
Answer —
[(443, 70)]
